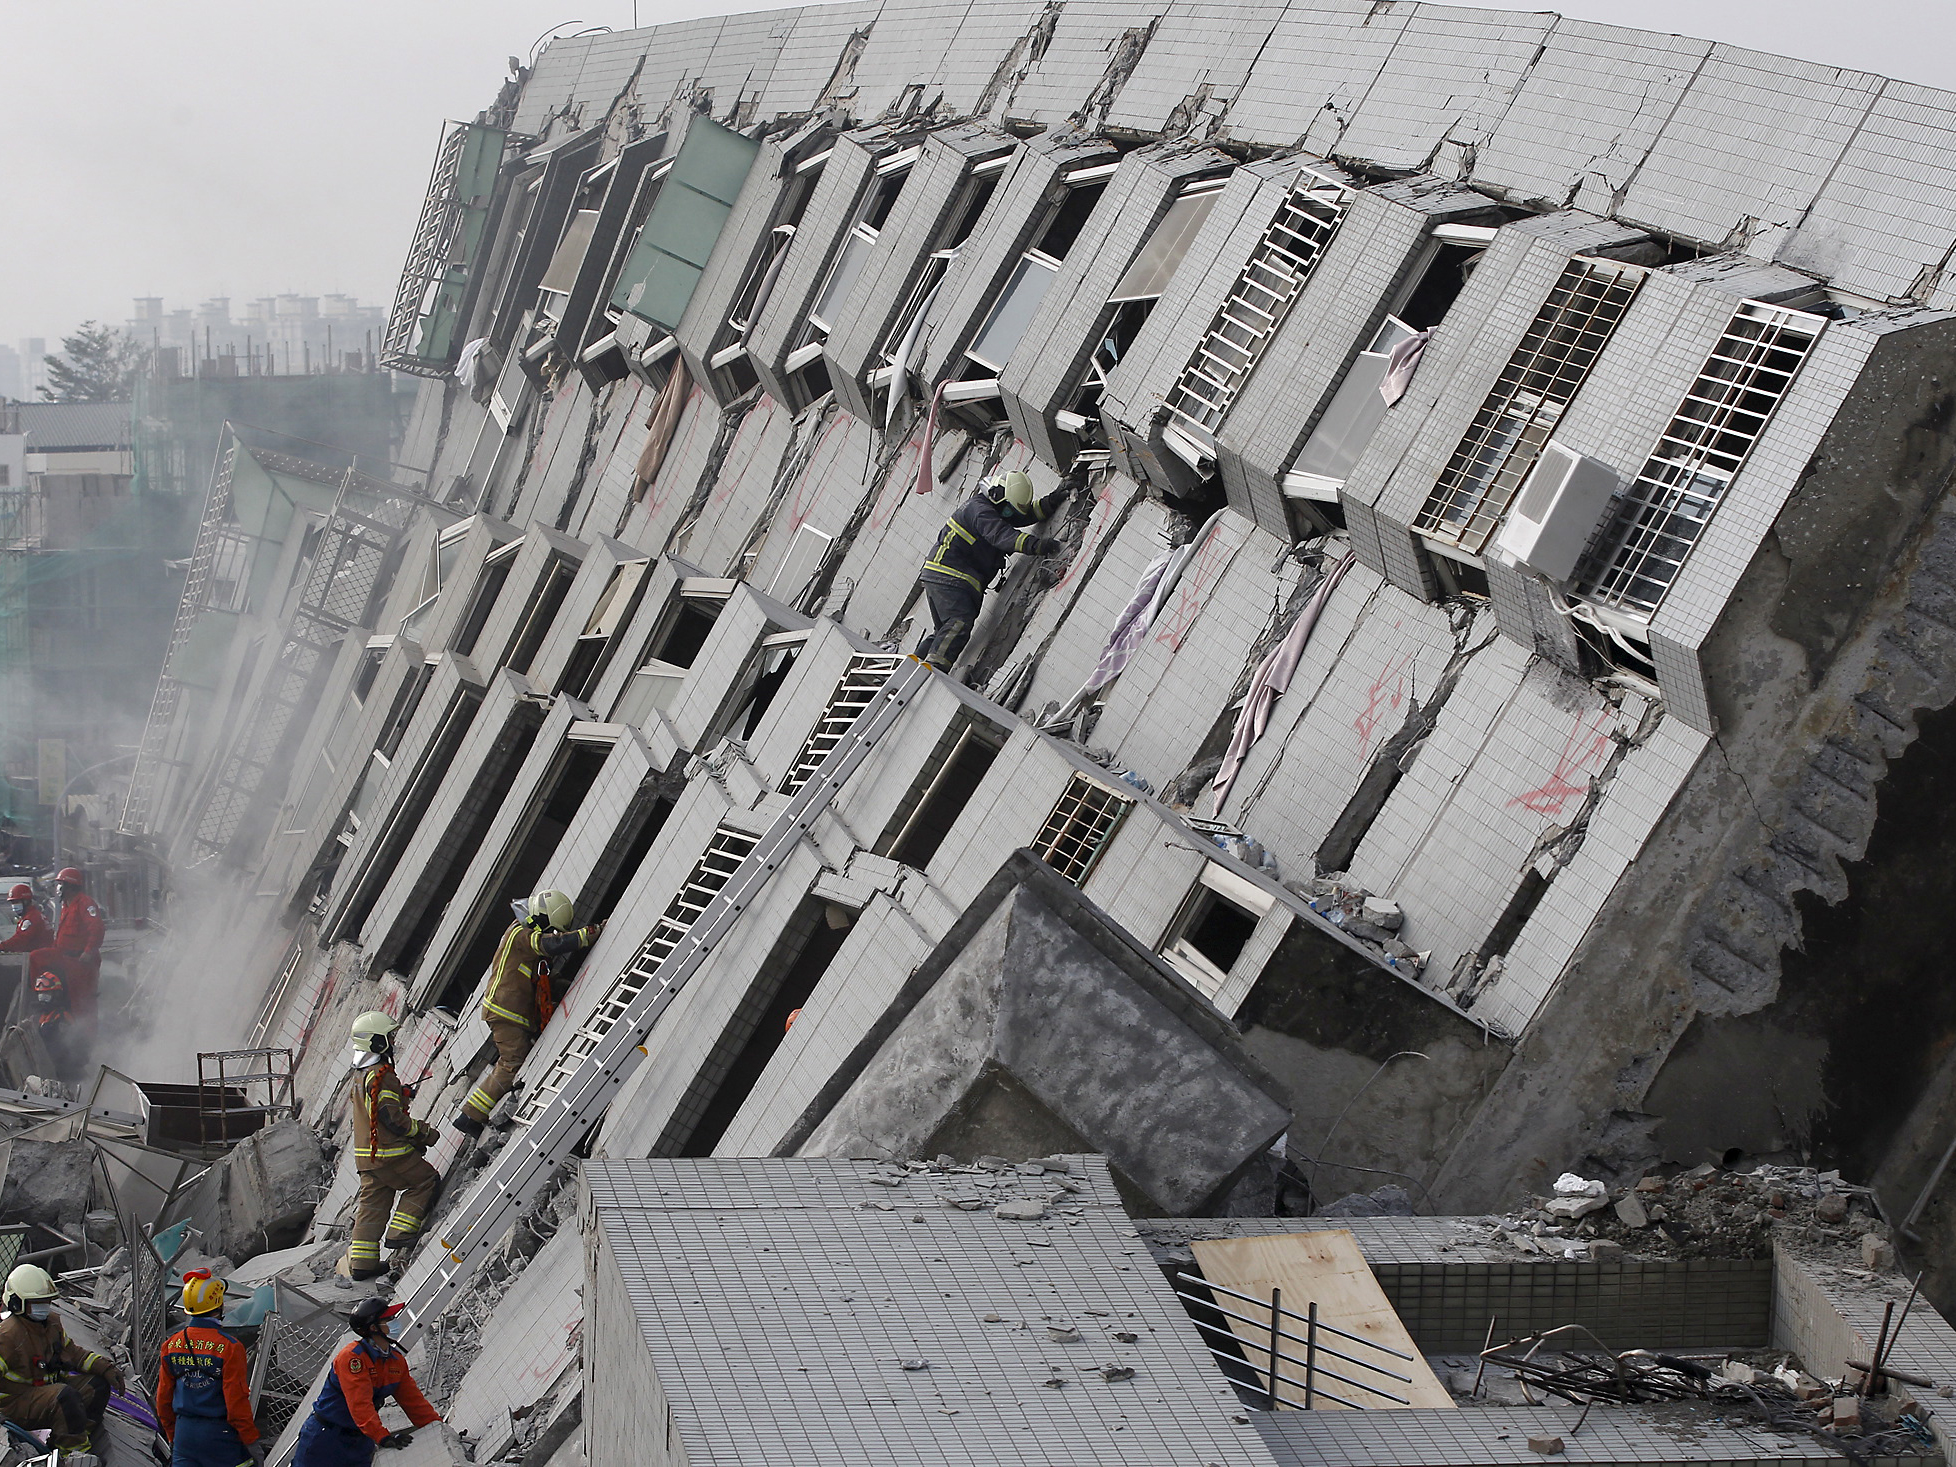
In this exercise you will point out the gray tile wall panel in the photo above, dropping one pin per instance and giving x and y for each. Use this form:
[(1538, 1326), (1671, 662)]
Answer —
[(1075, 77), (1336, 314), (1444, 88), (1748, 148), (1587, 112), (1319, 64), (1194, 67), (817, 38)]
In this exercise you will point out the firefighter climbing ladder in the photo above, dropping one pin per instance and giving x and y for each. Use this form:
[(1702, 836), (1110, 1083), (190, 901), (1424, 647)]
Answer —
[(525, 1165)]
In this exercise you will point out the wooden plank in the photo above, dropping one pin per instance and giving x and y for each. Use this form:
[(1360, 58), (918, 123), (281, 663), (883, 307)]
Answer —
[(1325, 1268)]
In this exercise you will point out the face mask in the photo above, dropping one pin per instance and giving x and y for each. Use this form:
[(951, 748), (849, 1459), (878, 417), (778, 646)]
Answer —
[(38, 1310), (20, 908)]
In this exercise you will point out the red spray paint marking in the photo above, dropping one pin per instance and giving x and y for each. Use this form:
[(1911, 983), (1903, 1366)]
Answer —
[(1583, 749), (1387, 692), (1188, 593)]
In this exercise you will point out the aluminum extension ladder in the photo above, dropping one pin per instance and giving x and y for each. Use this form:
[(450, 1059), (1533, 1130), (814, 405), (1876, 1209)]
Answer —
[(521, 1169)]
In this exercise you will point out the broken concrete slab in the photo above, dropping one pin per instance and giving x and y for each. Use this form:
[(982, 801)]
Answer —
[(260, 1195), (1040, 1026), (48, 1183)]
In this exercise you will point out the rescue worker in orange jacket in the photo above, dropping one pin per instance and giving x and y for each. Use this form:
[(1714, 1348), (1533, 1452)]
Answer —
[(387, 1147), (520, 999), (345, 1425), (46, 1379), (203, 1386), (76, 952), (31, 929)]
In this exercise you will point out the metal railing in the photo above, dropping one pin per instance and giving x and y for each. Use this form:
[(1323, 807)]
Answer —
[(1267, 1337)]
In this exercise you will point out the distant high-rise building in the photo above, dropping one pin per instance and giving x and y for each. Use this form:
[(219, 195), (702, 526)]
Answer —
[(13, 383), (33, 351)]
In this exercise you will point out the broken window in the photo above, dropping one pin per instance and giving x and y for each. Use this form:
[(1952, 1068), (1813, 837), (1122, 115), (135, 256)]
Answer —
[(1263, 293), (616, 604), (899, 342), (371, 656), (1353, 415), (482, 600), (1660, 517), (1214, 925), (1080, 828), (715, 868), (1519, 413), (670, 254), (757, 285), (872, 213), (671, 651), (956, 769), (1033, 276), (230, 571), (546, 600), (858, 686), (1133, 297), (767, 668), (553, 291)]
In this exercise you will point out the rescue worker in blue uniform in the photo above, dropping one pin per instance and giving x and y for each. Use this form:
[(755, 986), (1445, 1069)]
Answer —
[(203, 1387), (345, 1425), (971, 550)]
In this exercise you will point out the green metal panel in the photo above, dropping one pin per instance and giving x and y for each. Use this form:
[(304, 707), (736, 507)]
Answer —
[(678, 238), (475, 184)]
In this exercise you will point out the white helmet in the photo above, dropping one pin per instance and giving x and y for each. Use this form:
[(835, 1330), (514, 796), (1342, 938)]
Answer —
[(29, 1284), (1016, 490), (373, 1031), (551, 908)]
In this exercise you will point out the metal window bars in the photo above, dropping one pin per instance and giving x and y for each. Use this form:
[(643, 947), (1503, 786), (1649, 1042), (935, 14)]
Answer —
[(1266, 1337), (1079, 829), (1263, 294), (859, 684), (422, 327), (1547, 369), (343, 586), (1658, 520), (715, 868)]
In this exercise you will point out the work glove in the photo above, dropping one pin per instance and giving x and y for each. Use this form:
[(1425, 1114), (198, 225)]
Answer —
[(397, 1439), (118, 1382), (257, 1453), (596, 929)]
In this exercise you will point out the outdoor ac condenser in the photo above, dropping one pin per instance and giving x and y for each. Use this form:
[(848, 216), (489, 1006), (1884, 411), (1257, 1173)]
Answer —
[(1556, 512)]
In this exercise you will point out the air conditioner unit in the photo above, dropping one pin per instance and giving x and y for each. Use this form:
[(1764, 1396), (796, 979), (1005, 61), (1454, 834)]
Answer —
[(1558, 509)]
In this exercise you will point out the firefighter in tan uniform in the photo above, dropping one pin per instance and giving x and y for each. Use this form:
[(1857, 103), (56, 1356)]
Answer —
[(520, 1000), (45, 1378), (387, 1147)]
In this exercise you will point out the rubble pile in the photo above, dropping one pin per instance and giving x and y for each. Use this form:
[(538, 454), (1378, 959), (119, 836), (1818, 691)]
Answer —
[(1372, 920), (1701, 1213)]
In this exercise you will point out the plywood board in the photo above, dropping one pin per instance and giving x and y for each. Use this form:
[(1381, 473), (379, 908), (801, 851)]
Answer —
[(1325, 1268)]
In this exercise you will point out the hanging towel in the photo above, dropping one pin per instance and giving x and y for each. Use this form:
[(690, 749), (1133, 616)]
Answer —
[(1271, 679), (660, 422), (926, 475), (1401, 362)]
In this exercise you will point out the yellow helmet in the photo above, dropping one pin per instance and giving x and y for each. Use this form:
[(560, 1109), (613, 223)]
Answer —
[(1017, 490), (202, 1293), (553, 909)]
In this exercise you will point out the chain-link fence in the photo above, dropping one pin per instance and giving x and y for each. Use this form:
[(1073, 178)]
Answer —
[(294, 1344)]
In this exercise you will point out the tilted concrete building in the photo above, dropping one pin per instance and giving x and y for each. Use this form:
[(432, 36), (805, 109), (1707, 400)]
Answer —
[(1556, 416)]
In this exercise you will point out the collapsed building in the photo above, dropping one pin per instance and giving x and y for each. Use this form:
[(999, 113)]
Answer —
[(1485, 718)]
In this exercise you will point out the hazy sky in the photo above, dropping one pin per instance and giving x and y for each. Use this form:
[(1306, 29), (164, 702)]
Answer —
[(193, 148)]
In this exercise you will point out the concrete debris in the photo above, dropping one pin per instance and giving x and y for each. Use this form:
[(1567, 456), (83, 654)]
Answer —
[(48, 1184), (1372, 920), (1548, 1446), (1571, 1185), (1388, 1201), (1024, 1210), (259, 1196)]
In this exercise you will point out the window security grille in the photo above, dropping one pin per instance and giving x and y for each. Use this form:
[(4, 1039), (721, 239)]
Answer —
[(1662, 514), (1541, 379), (860, 682), (1283, 260), (1080, 828), (715, 869)]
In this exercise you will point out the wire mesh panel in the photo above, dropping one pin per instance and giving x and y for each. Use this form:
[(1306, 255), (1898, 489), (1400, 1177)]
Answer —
[(860, 682), (149, 1307), (422, 327), (715, 869), (1080, 827), (294, 1343), (1282, 261), (1507, 435), (1660, 517)]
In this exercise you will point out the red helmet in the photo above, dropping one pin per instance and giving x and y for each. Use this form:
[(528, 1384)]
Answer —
[(69, 876), (22, 892), (47, 983)]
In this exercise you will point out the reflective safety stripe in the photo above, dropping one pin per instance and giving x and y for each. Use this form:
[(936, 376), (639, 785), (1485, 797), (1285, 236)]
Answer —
[(361, 1248), (479, 1101), (936, 561), (405, 1220), (91, 1360), (381, 1153), (497, 1011)]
